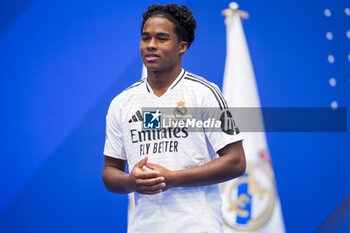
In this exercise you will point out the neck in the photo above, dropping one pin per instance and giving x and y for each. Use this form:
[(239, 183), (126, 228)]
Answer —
[(161, 80)]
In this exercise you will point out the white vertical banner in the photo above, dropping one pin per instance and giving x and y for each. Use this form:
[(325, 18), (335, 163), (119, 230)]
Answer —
[(250, 202), (131, 207)]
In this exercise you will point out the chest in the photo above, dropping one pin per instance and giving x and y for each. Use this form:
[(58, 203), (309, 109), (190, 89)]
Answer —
[(147, 131)]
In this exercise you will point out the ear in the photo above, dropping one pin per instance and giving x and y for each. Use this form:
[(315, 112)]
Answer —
[(183, 47)]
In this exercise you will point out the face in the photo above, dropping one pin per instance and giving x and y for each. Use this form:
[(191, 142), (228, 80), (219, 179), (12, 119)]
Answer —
[(160, 48)]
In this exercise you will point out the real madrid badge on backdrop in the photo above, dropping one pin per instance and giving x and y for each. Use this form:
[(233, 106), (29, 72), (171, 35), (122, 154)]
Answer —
[(250, 202)]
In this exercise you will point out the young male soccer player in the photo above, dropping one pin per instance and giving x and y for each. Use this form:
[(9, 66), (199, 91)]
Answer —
[(178, 192)]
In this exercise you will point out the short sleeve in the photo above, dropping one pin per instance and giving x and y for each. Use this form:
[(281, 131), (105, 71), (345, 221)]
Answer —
[(216, 107), (114, 144)]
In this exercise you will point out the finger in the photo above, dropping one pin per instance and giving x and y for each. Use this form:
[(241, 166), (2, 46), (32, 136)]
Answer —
[(142, 162), (146, 174), (153, 181), (150, 165), (152, 187)]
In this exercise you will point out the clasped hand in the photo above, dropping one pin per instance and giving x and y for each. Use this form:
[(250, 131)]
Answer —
[(153, 181)]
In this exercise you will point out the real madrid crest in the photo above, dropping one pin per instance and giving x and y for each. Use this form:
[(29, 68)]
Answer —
[(180, 111), (249, 201)]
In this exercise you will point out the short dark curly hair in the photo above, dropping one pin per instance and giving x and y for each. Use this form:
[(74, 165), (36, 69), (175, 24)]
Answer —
[(180, 16)]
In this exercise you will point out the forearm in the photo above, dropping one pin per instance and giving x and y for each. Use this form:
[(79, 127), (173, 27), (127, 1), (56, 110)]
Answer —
[(229, 165), (216, 171), (116, 181)]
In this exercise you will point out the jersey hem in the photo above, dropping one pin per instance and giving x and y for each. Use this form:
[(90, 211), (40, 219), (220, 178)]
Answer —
[(222, 144), (111, 154)]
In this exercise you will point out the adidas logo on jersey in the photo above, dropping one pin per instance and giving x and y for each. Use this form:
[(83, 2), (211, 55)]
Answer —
[(136, 117)]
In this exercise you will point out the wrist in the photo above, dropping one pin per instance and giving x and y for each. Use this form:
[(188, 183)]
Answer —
[(130, 184), (172, 179)]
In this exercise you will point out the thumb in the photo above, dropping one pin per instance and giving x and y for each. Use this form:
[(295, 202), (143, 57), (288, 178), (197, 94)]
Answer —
[(142, 162), (150, 166)]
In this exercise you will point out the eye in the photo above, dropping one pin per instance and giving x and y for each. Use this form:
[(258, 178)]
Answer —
[(162, 39), (145, 38)]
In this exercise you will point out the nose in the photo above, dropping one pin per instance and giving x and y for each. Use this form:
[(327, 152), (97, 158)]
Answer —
[(152, 44)]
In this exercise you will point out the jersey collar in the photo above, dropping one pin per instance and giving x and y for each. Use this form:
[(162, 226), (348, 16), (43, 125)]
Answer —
[(175, 82)]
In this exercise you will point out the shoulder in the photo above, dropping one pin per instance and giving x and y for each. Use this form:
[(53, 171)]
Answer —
[(209, 90), (200, 82), (122, 98)]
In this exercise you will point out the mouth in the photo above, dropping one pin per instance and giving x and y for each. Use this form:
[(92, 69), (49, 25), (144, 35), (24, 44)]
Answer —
[(151, 57)]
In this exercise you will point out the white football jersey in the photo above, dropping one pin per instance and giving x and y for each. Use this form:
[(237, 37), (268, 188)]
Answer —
[(186, 209)]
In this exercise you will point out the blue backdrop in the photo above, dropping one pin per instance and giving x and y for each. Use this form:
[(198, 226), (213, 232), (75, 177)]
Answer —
[(62, 62)]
